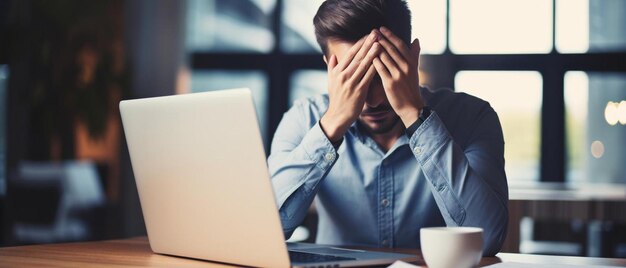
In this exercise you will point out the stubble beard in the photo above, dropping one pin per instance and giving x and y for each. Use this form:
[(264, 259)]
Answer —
[(381, 127)]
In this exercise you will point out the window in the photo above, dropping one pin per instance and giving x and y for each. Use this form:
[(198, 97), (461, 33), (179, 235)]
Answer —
[(214, 25), (496, 49), (516, 97), (595, 106), (576, 84), (4, 75), (298, 35), (500, 26), (297, 26), (590, 26), (219, 79), (572, 26), (307, 83), (428, 21)]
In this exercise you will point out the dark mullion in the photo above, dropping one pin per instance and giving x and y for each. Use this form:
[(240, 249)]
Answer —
[(606, 62), (278, 85), (588, 62), (447, 51), (552, 159), (277, 100), (552, 167), (276, 26), (255, 61), (553, 51)]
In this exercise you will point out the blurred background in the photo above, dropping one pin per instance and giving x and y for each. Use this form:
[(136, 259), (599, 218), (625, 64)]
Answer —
[(554, 70)]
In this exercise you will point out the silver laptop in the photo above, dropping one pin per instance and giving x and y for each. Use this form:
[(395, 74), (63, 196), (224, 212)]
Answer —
[(204, 187)]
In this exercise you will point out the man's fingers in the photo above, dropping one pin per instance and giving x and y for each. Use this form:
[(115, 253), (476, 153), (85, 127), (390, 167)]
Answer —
[(369, 75), (332, 62), (364, 65), (389, 64), (351, 53), (397, 42), (395, 54), (415, 47), (381, 70), (362, 53), (415, 51)]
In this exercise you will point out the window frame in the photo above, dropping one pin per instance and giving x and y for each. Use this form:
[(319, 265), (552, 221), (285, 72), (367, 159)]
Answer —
[(279, 67)]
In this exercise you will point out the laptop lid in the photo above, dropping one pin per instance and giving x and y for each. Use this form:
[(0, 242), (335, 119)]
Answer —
[(202, 179)]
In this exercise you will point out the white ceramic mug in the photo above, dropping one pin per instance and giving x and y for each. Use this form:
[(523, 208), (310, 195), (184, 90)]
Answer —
[(451, 247)]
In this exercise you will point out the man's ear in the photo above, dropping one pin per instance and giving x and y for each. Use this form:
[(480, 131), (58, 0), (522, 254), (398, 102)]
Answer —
[(325, 60)]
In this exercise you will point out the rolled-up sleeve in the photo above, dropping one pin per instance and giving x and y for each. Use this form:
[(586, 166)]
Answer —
[(468, 184), (301, 157)]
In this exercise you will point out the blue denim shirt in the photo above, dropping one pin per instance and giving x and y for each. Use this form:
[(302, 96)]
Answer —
[(450, 172)]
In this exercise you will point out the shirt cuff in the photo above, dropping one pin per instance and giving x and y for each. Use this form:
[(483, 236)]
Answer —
[(428, 137), (413, 127), (425, 112), (319, 149)]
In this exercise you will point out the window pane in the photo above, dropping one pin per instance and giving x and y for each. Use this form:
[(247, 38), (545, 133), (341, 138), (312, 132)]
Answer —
[(307, 83), (594, 26), (298, 33), (500, 26), (516, 96), (4, 74), (607, 28), (428, 21), (576, 86), (572, 26), (230, 26), (595, 106), (256, 81)]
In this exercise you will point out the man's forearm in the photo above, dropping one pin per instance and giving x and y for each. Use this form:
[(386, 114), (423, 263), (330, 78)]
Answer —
[(469, 188), (296, 173)]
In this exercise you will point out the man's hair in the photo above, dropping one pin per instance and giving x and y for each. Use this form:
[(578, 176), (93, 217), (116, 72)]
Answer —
[(349, 20)]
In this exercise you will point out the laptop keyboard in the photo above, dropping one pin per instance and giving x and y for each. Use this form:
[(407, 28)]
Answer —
[(303, 257)]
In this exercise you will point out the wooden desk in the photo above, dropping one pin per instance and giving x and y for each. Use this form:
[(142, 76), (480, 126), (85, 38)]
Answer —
[(135, 252)]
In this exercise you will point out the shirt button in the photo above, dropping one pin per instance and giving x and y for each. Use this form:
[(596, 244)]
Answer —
[(330, 157), (417, 150), (385, 242), (385, 202)]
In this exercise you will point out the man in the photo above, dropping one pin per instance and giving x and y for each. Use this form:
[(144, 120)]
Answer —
[(384, 156)]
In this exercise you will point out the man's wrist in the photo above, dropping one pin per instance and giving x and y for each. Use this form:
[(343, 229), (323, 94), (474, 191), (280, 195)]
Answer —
[(332, 131), (423, 115), (409, 117)]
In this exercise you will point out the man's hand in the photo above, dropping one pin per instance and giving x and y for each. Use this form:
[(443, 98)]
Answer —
[(348, 83), (397, 66)]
